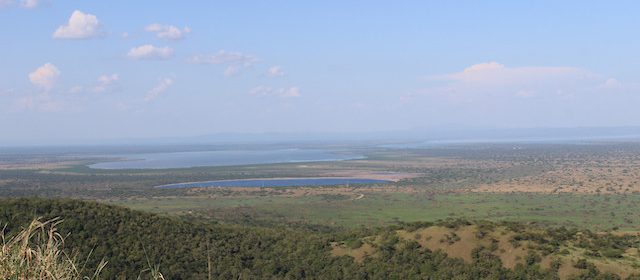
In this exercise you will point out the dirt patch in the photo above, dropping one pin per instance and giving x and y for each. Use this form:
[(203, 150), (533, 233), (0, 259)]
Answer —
[(37, 165), (567, 268), (457, 243), (358, 254), (461, 242), (509, 254)]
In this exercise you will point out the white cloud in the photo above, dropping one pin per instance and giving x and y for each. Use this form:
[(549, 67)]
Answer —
[(161, 87), (6, 92), (45, 76), (484, 67), (290, 92), (105, 82), (40, 102), (167, 32), (235, 61), (496, 74), (122, 106), (150, 52), (611, 83), (29, 4), (76, 89), (26, 4), (80, 26), (6, 3), (275, 71), (525, 93), (492, 79)]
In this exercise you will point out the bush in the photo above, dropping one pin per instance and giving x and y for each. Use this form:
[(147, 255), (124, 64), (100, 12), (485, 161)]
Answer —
[(612, 253), (354, 244), (581, 264)]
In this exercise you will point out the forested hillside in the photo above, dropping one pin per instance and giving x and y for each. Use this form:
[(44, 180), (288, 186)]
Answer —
[(132, 241)]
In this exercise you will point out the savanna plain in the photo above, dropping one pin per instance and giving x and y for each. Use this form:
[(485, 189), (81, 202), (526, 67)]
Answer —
[(465, 211)]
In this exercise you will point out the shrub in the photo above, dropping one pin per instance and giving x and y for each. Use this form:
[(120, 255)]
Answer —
[(581, 264), (612, 253)]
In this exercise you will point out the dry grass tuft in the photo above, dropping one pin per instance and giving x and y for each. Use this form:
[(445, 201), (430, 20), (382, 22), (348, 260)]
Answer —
[(36, 253)]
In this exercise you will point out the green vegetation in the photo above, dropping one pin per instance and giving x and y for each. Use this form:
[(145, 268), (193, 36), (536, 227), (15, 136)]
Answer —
[(457, 212), (603, 212), (131, 241)]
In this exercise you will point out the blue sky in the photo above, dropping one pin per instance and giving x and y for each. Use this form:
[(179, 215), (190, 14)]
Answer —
[(129, 69)]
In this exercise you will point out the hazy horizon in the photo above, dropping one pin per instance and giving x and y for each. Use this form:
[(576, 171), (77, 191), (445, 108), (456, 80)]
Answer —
[(446, 135), (108, 70)]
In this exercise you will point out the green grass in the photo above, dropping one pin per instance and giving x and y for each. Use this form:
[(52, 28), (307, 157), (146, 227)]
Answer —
[(584, 211)]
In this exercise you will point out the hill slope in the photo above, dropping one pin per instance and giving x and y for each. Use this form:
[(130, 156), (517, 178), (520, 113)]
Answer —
[(130, 240)]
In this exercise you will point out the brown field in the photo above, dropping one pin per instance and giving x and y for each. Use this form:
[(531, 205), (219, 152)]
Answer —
[(620, 177), (37, 165)]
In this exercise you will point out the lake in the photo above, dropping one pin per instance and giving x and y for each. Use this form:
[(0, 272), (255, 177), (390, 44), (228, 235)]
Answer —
[(295, 182), (221, 158)]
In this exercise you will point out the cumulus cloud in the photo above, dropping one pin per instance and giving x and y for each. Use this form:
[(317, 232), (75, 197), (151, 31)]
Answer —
[(525, 93), (6, 92), (611, 83), (167, 32), (27, 4), (162, 86), (79, 26), (105, 82), (40, 102), (275, 71), (496, 74), (493, 79), (291, 92), (287, 92), (76, 89), (494, 94), (150, 52), (45, 76), (234, 61)]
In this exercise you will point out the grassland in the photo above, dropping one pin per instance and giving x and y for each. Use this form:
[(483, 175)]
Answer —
[(579, 204), (603, 212), (595, 186)]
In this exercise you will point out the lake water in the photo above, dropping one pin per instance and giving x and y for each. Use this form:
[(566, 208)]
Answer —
[(221, 158), (276, 183)]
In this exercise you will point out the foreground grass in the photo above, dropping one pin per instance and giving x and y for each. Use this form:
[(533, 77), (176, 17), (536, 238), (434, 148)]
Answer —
[(36, 253)]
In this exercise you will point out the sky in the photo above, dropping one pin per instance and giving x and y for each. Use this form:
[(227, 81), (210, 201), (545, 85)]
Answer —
[(88, 70)]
